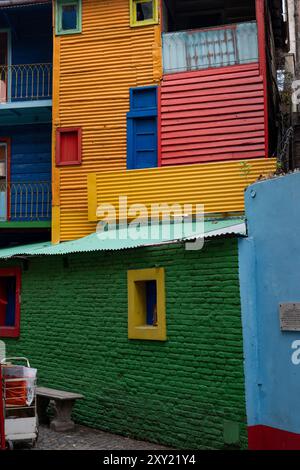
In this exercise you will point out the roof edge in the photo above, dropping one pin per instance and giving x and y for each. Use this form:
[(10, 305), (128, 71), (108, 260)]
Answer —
[(12, 3), (116, 240)]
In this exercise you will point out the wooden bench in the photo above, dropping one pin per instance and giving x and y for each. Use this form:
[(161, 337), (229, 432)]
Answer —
[(63, 404)]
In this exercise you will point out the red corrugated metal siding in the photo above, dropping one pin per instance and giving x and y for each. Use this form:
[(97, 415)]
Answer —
[(212, 115)]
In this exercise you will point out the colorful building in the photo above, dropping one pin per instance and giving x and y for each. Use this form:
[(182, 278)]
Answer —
[(25, 121), (181, 99), (184, 389), (163, 104)]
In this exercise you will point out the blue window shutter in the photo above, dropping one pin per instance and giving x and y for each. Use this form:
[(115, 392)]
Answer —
[(151, 301), (130, 143), (143, 98), (142, 129), (144, 152)]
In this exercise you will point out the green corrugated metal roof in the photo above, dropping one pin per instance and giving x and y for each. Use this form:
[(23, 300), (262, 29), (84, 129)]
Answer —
[(122, 238)]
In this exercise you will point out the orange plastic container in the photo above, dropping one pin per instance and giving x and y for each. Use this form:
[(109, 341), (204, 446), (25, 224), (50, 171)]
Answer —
[(16, 392)]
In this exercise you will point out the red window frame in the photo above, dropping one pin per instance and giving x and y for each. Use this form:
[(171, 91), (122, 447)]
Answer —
[(7, 141), (13, 331), (65, 130)]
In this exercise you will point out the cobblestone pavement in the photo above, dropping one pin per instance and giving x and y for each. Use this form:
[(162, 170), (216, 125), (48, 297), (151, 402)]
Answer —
[(89, 439)]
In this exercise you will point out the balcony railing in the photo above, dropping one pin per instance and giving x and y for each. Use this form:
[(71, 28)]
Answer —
[(25, 201), (215, 47), (25, 82)]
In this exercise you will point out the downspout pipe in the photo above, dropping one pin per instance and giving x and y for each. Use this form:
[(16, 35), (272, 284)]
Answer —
[(297, 34)]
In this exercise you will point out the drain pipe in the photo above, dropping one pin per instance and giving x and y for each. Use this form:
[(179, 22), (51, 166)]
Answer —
[(297, 36)]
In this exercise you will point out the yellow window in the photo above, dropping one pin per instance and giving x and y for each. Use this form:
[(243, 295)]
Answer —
[(143, 12), (146, 304)]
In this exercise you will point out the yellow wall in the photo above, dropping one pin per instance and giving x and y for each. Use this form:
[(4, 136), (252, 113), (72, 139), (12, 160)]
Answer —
[(219, 186), (93, 72)]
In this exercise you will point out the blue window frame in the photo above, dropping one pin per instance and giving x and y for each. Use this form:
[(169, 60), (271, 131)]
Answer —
[(142, 128)]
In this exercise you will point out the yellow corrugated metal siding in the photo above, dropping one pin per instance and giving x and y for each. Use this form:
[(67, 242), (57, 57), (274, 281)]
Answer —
[(93, 72), (219, 186)]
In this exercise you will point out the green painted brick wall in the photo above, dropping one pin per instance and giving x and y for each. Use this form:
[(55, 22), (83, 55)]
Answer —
[(180, 392)]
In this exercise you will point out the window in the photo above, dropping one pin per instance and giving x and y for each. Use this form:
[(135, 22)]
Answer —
[(143, 12), (201, 35), (146, 304), (151, 302), (68, 146), (10, 289), (178, 16), (142, 129), (68, 16)]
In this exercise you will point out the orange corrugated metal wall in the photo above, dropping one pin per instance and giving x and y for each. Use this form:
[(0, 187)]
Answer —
[(212, 115), (93, 72)]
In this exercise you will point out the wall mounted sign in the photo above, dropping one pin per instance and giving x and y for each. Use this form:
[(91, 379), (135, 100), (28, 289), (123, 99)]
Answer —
[(289, 316)]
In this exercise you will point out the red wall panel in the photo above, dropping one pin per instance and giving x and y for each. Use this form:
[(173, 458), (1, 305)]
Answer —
[(211, 115)]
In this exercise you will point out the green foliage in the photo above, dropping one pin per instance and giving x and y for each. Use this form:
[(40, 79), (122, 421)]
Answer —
[(285, 88), (245, 170)]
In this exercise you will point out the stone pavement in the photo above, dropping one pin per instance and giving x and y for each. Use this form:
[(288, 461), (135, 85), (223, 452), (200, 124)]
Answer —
[(84, 438)]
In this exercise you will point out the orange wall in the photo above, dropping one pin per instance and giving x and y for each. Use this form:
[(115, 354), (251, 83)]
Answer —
[(93, 72)]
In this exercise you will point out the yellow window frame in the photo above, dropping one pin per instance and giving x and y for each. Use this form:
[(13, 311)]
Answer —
[(133, 13), (137, 327)]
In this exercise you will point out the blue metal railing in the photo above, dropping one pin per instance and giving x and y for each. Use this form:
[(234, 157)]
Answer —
[(25, 82), (25, 201), (215, 47)]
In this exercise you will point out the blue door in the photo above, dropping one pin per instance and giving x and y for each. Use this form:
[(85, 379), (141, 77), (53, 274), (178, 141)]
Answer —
[(144, 143), (142, 129)]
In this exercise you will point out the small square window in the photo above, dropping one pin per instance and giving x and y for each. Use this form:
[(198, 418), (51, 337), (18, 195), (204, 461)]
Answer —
[(68, 146), (68, 16), (143, 12), (146, 304), (10, 284)]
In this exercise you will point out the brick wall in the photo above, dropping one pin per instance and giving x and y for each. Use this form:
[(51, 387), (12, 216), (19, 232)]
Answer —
[(74, 330)]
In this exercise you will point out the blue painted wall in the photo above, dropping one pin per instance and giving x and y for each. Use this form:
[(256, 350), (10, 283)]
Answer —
[(30, 162), (31, 33), (31, 152), (269, 275), (31, 43)]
